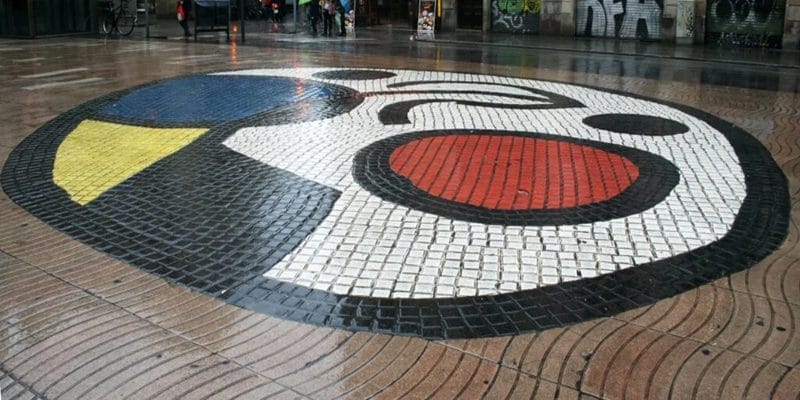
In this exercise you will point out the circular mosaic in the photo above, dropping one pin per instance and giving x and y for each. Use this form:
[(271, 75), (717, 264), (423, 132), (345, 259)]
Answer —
[(421, 203)]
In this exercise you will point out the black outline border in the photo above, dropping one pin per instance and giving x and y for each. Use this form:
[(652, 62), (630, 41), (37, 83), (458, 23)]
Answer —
[(657, 178), (759, 228)]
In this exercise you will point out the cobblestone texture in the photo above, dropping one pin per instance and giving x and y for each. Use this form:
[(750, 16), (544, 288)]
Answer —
[(76, 323), (346, 225)]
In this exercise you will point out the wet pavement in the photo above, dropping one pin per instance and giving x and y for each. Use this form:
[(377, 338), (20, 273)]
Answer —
[(382, 217), (740, 67)]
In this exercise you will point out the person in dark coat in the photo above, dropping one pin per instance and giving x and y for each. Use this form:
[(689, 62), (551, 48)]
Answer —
[(342, 12), (314, 12), (327, 17)]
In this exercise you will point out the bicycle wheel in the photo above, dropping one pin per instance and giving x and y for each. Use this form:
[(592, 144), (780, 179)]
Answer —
[(125, 22), (106, 25)]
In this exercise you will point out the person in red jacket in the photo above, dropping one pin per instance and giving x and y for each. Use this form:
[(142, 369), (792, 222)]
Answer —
[(183, 9)]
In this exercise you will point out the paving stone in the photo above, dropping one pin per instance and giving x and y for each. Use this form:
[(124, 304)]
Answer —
[(689, 292), (615, 184)]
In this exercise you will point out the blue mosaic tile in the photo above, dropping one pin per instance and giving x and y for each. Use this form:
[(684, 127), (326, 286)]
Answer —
[(208, 99)]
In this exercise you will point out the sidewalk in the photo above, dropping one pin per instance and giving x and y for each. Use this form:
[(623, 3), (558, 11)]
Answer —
[(750, 56), (264, 33), (184, 175)]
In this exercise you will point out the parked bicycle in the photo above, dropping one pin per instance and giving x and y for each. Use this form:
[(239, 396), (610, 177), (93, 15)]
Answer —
[(254, 10), (118, 19)]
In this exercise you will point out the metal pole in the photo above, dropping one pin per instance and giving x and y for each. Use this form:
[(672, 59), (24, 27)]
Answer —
[(242, 13), (194, 15), (93, 25), (294, 14), (31, 20), (147, 19)]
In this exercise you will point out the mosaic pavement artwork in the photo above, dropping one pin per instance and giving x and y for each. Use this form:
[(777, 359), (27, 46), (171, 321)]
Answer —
[(432, 204)]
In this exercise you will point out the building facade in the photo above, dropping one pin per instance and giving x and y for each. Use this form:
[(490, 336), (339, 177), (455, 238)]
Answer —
[(31, 18), (745, 23)]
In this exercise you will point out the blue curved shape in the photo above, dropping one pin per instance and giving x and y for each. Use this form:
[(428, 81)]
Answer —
[(209, 99)]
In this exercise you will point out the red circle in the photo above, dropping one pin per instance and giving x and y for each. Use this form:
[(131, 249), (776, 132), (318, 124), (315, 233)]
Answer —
[(503, 172)]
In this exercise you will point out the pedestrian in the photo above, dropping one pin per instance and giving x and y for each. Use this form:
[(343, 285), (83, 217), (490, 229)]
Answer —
[(266, 7), (327, 18), (342, 13), (276, 10), (182, 10), (313, 15)]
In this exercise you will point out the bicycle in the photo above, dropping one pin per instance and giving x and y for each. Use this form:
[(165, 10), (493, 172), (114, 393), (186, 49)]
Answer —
[(255, 11), (118, 19)]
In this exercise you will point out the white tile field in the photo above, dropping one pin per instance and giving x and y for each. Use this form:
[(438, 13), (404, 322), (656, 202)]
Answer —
[(368, 246)]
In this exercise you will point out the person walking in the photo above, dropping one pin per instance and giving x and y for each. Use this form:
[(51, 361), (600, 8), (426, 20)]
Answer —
[(327, 18), (342, 13), (182, 10), (313, 15), (266, 7), (277, 10)]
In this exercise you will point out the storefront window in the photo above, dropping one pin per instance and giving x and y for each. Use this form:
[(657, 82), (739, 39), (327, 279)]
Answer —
[(61, 16), (50, 17), (14, 18)]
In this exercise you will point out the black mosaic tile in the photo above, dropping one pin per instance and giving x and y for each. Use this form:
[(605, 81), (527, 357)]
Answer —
[(634, 124), (354, 75)]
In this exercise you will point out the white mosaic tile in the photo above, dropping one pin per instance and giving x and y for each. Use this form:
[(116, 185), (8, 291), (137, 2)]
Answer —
[(433, 256)]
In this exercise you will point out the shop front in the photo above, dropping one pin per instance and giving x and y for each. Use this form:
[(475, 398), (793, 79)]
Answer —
[(516, 16), (745, 23), (623, 20), (469, 14), (31, 18)]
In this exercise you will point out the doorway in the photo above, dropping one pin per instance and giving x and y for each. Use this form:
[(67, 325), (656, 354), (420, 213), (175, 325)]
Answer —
[(470, 14)]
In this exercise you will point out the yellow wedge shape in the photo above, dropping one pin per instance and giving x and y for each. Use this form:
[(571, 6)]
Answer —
[(97, 156)]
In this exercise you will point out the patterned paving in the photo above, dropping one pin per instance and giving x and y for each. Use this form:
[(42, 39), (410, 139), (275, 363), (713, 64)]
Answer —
[(394, 227), (670, 317)]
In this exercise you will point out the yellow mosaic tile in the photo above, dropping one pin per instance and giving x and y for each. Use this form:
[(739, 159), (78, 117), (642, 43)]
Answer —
[(97, 156)]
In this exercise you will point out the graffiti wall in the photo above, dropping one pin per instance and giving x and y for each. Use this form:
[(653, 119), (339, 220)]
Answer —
[(517, 16), (640, 19), (746, 23)]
